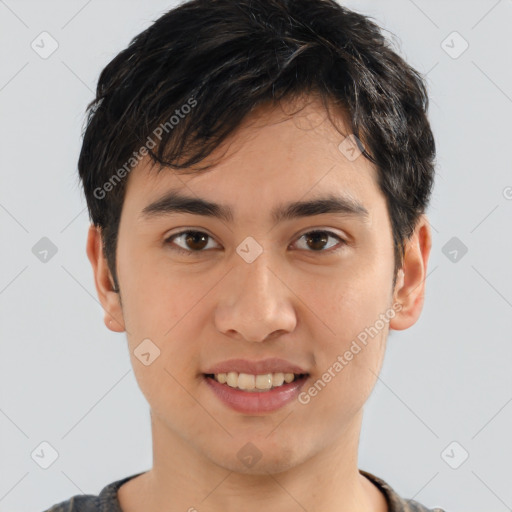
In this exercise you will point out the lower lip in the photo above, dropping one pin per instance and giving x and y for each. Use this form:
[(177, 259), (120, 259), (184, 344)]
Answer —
[(253, 402)]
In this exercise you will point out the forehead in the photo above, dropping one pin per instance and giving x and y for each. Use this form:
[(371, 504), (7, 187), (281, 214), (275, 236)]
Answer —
[(272, 155)]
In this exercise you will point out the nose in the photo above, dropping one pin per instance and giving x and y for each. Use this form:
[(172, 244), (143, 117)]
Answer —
[(255, 304)]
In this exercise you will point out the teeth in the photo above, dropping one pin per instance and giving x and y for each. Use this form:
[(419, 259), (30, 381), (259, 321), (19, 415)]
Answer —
[(288, 377), (277, 379), (250, 382), (264, 381), (232, 379), (246, 381)]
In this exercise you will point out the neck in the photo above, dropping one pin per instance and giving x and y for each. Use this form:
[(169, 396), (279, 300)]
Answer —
[(183, 479)]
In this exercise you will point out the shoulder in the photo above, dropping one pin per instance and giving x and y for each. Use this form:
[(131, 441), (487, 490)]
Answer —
[(414, 506), (395, 502), (80, 503), (106, 501)]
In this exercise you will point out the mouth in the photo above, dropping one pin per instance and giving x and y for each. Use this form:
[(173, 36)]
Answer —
[(260, 383), (255, 386), (256, 394)]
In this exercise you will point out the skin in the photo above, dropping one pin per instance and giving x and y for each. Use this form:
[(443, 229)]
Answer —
[(297, 301)]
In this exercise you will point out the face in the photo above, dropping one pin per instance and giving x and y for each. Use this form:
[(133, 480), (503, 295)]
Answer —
[(305, 288)]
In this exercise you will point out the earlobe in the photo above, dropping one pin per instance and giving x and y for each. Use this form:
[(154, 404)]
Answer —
[(410, 287), (113, 313)]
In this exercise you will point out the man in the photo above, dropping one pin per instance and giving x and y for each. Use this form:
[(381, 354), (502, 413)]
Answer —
[(257, 175)]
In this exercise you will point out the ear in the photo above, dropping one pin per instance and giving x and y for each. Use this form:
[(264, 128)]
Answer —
[(410, 286), (103, 280)]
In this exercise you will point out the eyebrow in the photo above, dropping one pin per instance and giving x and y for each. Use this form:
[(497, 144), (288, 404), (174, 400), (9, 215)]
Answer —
[(174, 202)]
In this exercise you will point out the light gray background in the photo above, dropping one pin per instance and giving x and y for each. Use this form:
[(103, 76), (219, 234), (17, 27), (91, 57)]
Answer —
[(67, 380)]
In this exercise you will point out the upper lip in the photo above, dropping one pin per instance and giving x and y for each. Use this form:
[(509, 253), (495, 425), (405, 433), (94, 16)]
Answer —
[(272, 365)]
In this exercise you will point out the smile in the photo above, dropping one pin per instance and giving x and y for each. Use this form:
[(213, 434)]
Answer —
[(255, 383)]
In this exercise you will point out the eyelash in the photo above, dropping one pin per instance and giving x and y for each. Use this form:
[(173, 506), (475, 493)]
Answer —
[(190, 252)]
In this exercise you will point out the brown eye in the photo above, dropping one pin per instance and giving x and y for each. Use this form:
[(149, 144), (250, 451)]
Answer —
[(316, 241), (190, 241)]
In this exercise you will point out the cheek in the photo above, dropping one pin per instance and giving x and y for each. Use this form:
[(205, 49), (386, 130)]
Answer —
[(167, 381), (347, 373), (348, 301), (354, 312), (155, 295)]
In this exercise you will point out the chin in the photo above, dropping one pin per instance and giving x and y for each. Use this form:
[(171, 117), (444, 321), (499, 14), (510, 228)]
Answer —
[(260, 457)]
